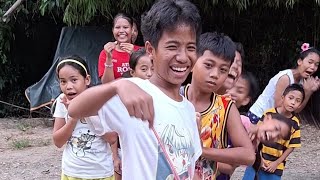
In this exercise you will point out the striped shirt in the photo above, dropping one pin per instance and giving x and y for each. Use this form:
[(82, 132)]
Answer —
[(273, 150)]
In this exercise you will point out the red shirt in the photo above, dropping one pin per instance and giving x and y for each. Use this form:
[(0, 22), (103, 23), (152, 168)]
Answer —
[(120, 62)]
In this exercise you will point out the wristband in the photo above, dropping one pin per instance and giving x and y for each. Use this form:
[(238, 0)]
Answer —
[(108, 65)]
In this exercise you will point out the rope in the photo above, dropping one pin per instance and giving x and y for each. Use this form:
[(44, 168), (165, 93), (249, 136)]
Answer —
[(19, 107)]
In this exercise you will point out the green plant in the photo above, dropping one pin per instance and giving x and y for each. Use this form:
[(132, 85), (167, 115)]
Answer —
[(23, 127), (21, 143)]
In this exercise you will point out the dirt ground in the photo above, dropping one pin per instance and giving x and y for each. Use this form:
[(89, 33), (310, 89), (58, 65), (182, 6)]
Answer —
[(27, 152)]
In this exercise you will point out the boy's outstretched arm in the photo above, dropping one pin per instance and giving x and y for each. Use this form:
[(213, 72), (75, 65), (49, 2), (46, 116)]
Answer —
[(137, 101), (242, 153), (273, 165)]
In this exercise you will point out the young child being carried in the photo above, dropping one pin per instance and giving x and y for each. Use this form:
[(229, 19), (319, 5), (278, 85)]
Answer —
[(219, 116), (86, 155), (274, 154)]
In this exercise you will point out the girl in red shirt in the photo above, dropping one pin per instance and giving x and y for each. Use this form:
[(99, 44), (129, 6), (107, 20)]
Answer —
[(114, 58)]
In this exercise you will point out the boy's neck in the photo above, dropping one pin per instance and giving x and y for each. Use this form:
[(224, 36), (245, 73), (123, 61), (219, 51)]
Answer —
[(199, 99), (171, 90), (281, 110)]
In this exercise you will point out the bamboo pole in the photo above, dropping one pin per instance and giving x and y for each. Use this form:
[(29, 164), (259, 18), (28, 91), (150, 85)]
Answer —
[(11, 9)]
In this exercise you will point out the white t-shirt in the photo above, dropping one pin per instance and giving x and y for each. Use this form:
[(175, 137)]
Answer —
[(86, 155), (175, 124), (266, 100)]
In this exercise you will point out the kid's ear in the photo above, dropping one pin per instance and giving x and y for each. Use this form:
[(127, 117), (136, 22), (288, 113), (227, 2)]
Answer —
[(88, 80), (299, 61), (149, 49), (131, 72)]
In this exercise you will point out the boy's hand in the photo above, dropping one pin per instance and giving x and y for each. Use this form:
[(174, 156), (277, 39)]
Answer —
[(117, 165), (138, 103), (271, 167), (65, 101)]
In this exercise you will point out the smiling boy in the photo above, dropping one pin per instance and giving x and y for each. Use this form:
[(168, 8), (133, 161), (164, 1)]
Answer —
[(170, 148)]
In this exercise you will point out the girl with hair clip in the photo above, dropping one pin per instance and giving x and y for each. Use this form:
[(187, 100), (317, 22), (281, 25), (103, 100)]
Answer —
[(86, 154), (307, 65), (114, 58)]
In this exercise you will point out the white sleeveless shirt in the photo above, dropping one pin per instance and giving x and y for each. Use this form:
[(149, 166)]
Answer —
[(266, 100)]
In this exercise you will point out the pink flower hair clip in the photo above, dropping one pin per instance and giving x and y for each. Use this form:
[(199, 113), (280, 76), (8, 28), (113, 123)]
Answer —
[(305, 46)]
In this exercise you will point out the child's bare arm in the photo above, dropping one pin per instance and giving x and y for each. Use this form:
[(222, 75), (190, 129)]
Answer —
[(110, 137), (273, 165), (226, 168), (242, 152), (108, 74), (91, 100), (281, 85), (62, 130), (115, 157)]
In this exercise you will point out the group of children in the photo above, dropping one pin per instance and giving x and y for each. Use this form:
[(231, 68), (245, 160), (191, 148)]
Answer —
[(154, 117)]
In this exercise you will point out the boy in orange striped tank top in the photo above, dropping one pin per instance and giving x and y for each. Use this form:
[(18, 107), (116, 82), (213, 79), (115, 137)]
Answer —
[(219, 115)]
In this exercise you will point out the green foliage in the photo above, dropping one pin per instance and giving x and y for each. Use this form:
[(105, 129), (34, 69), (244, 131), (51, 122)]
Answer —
[(23, 127), (81, 12), (21, 143)]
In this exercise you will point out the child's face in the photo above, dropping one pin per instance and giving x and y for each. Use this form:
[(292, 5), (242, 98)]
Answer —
[(309, 65), (235, 72), (210, 72), (292, 100), (240, 92), (174, 57), (122, 30), (272, 130), (144, 68), (72, 82)]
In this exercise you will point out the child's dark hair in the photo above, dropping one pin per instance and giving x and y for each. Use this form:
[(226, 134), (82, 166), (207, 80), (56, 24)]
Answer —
[(124, 16), (295, 87), (135, 56), (239, 48), (167, 15), (305, 53), (283, 119), (253, 84), (218, 44), (134, 21), (76, 62)]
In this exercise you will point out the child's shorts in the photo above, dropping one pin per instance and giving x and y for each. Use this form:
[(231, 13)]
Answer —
[(65, 177), (250, 173)]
